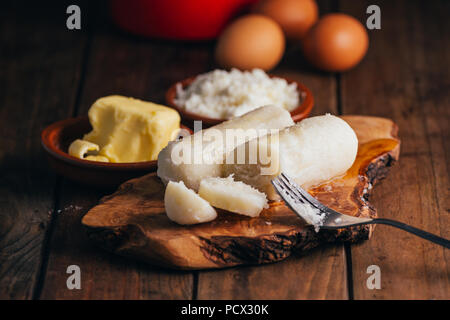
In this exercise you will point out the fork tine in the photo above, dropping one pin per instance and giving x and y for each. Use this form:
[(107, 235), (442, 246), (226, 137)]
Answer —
[(296, 201), (291, 189), (300, 192), (304, 194), (282, 188), (286, 193), (331, 215), (296, 198), (290, 185)]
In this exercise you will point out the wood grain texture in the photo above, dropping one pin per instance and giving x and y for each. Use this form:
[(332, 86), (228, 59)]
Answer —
[(132, 221), (403, 77), (35, 51), (184, 61), (318, 274), (103, 276), (130, 66), (217, 284)]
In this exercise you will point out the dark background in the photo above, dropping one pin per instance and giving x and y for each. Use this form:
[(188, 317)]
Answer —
[(48, 73)]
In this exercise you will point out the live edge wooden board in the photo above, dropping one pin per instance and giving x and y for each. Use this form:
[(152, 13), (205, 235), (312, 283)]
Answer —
[(132, 221)]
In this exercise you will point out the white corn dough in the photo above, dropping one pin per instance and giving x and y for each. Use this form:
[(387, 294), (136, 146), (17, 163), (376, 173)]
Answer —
[(233, 196), (311, 152), (210, 151), (184, 206), (311, 215)]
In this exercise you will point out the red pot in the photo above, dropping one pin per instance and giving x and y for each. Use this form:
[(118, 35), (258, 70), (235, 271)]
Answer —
[(175, 19)]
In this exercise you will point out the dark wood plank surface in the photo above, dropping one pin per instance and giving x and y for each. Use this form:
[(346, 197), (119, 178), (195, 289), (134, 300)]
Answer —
[(245, 282), (33, 94), (48, 73), (319, 274), (405, 76), (133, 67), (327, 282)]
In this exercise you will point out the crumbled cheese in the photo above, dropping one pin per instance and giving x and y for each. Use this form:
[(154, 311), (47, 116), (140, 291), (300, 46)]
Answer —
[(224, 95)]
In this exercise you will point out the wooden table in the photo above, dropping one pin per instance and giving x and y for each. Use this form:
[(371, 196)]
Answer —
[(48, 73)]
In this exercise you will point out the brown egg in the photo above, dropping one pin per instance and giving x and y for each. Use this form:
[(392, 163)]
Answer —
[(253, 41), (337, 42), (294, 16)]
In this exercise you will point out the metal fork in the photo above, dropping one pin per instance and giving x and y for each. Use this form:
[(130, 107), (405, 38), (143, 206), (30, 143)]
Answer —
[(296, 197)]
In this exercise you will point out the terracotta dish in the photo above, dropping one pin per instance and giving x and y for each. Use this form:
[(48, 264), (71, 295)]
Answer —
[(56, 139), (299, 113)]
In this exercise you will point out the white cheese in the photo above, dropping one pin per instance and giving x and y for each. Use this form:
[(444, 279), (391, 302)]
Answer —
[(222, 94)]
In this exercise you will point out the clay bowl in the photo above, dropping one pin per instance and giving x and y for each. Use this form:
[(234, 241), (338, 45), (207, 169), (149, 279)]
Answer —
[(299, 113), (56, 139)]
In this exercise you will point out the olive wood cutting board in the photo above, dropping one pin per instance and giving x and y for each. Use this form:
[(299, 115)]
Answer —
[(132, 222)]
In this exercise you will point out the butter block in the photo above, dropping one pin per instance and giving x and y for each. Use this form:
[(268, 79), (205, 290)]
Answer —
[(131, 130), (184, 206), (233, 196), (209, 146)]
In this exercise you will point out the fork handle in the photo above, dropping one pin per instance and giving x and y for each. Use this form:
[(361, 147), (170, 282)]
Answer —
[(423, 234)]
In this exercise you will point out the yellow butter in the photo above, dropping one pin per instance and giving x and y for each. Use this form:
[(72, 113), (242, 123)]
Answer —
[(131, 130), (97, 158), (80, 148)]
